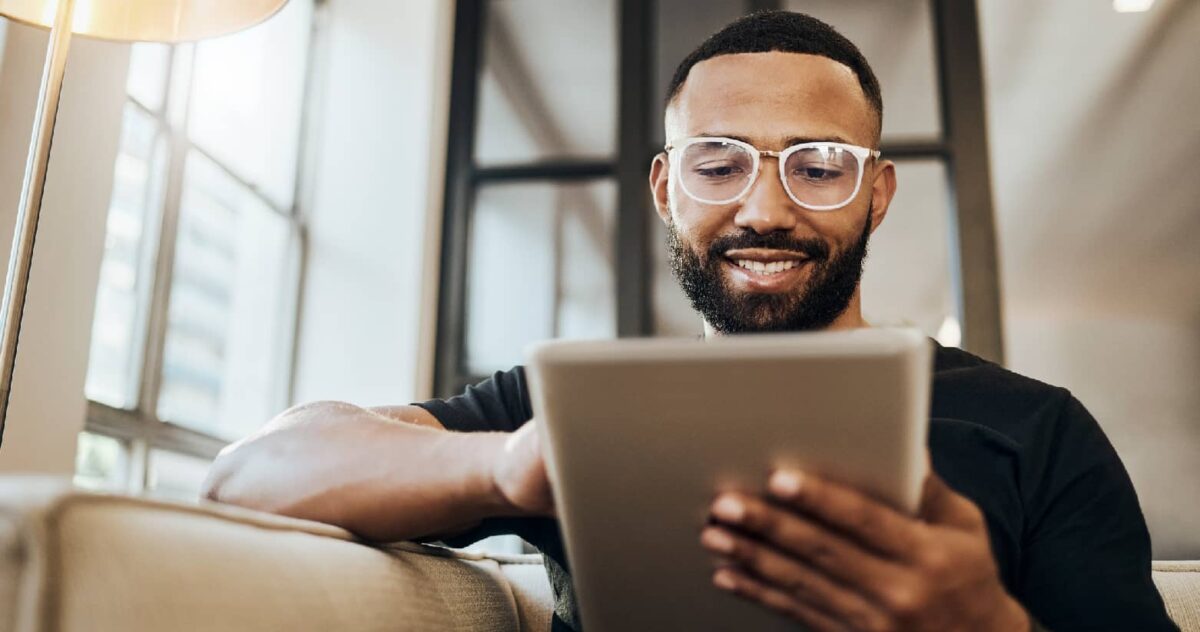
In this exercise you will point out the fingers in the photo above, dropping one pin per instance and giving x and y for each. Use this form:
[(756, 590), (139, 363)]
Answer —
[(794, 579), (790, 605), (865, 519), (812, 543)]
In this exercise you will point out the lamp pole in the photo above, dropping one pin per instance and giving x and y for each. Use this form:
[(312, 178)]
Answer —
[(21, 256)]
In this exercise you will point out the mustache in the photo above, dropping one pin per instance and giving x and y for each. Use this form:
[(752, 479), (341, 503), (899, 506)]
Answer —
[(810, 247)]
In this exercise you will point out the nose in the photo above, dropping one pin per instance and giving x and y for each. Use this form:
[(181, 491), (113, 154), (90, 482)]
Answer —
[(767, 207)]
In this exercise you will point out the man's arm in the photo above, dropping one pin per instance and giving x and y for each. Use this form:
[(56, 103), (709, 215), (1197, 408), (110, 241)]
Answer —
[(385, 474), (1086, 552)]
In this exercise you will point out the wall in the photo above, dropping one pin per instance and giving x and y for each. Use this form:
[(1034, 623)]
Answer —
[(1092, 127), (47, 408), (374, 204)]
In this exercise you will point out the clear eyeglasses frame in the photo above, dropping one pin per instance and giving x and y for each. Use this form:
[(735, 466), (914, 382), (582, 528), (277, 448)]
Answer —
[(717, 171)]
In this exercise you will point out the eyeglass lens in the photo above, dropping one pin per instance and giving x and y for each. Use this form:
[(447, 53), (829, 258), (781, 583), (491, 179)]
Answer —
[(719, 172)]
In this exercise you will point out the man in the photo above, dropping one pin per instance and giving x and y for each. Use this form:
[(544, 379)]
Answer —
[(770, 187)]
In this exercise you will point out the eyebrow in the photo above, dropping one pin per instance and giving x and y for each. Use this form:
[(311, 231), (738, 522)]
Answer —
[(788, 142)]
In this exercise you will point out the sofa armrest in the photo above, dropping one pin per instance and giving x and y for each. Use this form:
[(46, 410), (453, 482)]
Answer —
[(73, 560)]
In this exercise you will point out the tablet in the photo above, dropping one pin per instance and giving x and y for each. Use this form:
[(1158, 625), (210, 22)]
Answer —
[(639, 436)]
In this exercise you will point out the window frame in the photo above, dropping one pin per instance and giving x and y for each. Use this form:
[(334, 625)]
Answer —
[(464, 178), (962, 147), (138, 428)]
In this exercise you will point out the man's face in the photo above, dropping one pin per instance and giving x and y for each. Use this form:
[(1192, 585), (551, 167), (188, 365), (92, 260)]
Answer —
[(768, 100)]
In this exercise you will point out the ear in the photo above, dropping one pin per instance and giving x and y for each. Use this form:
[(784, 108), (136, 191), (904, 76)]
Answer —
[(660, 171), (883, 189)]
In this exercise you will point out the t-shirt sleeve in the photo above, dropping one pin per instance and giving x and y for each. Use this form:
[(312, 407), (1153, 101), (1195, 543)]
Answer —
[(497, 404), (1086, 551)]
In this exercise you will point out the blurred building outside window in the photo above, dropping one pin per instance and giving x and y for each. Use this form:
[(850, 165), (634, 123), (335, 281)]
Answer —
[(195, 308)]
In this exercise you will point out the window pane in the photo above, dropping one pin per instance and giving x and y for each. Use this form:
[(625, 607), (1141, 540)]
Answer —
[(101, 463), (534, 105), (147, 80), (896, 37), (229, 327), (247, 94), (679, 27), (122, 297), (540, 265), (175, 476), (908, 278)]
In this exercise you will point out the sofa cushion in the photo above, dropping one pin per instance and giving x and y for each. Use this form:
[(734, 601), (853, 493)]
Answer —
[(1179, 585), (82, 561)]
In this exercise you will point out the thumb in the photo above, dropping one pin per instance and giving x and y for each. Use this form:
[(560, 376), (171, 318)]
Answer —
[(942, 505)]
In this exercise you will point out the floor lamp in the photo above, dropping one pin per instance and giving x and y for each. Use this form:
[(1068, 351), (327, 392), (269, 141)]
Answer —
[(116, 20)]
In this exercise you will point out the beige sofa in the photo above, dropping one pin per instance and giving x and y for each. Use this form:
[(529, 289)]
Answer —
[(73, 561)]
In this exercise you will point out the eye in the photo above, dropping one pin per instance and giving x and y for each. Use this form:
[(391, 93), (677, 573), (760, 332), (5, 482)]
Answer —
[(814, 173), (718, 170)]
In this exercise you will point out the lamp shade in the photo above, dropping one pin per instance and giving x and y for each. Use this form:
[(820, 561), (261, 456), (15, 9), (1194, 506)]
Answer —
[(148, 20)]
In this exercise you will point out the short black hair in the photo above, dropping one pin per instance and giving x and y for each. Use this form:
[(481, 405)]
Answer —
[(787, 32)]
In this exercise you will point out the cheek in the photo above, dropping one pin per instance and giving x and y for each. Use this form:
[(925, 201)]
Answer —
[(841, 228), (696, 223)]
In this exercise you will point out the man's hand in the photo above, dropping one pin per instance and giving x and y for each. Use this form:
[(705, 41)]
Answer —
[(835, 559), (519, 473)]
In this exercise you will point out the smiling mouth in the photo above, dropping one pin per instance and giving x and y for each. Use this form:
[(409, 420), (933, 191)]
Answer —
[(766, 262), (767, 268)]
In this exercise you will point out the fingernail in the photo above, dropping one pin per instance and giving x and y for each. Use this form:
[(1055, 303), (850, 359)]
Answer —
[(724, 580), (729, 509), (717, 540), (785, 483)]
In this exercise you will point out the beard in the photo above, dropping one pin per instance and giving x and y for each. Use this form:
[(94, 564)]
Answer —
[(832, 281)]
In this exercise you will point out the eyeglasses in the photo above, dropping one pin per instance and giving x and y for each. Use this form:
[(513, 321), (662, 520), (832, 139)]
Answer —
[(820, 176)]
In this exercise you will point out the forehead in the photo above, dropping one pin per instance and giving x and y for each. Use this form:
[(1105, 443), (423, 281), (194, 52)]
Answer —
[(769, 97)]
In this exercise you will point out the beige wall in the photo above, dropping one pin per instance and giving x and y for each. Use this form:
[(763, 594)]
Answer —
[(47, 408), (1138, 378), (1092, 123)]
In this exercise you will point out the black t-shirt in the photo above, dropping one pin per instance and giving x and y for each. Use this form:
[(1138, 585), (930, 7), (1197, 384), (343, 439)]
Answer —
[(1066, 529)]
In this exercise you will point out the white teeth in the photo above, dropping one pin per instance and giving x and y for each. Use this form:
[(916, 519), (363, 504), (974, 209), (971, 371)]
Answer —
[(773, 267)]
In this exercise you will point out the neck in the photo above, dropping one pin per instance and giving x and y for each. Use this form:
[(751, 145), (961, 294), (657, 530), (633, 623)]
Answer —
[(851, 318)]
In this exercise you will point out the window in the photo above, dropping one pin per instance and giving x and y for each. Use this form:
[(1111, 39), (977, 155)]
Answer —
[(549, 229), (194, 322), (535, 220)]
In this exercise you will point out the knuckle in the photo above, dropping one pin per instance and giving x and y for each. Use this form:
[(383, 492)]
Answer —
[(761, 519), (808, 494), (779, 601), (862, 520), (821, 553), (904, 600), (797, 582), (748, 589), (935, 560), (746, 552)]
